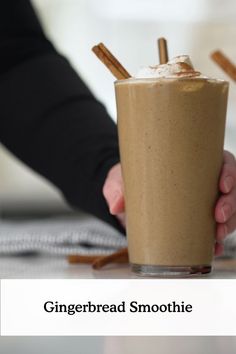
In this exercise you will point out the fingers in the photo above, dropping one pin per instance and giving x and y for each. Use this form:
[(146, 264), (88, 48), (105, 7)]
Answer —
[(228, 157), (117, 206), (225, 211), (228, 174), (226, 207), (221, 232), (219, 248), (225, 229), (121, 218), (113, 191)]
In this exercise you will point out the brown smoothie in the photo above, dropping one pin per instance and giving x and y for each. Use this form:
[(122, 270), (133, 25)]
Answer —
[(171, 135)]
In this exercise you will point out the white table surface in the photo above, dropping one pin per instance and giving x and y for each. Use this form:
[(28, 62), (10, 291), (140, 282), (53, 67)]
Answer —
[(37, 266)]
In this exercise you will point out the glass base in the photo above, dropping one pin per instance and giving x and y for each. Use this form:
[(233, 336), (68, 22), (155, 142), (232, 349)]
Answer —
[(169, 271)]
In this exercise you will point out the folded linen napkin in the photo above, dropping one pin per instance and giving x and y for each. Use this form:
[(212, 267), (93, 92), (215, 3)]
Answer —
[(69, 235), (60, 236)]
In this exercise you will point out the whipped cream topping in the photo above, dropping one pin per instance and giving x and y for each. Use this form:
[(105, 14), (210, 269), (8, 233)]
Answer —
[(180, 66)]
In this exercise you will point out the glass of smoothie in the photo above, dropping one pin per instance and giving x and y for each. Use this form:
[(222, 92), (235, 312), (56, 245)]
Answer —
[(171, 124)]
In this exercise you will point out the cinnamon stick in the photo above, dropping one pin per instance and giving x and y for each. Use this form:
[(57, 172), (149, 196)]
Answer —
[(110, 62), (73, 259), (163, 51), (219, 58), (99, 261), (120, 256)]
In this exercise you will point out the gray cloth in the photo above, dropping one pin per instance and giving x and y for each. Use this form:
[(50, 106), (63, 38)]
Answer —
[(69, 235), (60, 236)]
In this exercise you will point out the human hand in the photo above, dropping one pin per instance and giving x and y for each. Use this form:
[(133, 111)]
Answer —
[(225, 210), (114, 193)]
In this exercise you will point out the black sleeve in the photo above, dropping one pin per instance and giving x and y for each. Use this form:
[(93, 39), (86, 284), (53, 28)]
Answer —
[(48, 117)]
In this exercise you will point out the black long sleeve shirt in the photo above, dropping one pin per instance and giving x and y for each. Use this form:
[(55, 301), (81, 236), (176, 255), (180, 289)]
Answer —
[(48, 117)]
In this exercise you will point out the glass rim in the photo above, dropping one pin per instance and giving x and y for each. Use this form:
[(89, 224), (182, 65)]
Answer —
[(166, 79)]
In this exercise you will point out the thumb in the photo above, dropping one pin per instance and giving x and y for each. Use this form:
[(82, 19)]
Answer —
[(113, 190)]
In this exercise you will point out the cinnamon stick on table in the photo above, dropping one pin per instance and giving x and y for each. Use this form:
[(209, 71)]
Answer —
[(99, 261), (110, 62), (120, 256), (74, 259), (225, 63)]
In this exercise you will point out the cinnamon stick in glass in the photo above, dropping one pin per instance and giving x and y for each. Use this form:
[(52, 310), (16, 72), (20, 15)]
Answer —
[(163, 51), (110, 62), (225, 63)]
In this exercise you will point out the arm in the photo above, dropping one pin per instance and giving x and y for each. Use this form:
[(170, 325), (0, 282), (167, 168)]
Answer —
[(48, 117)]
